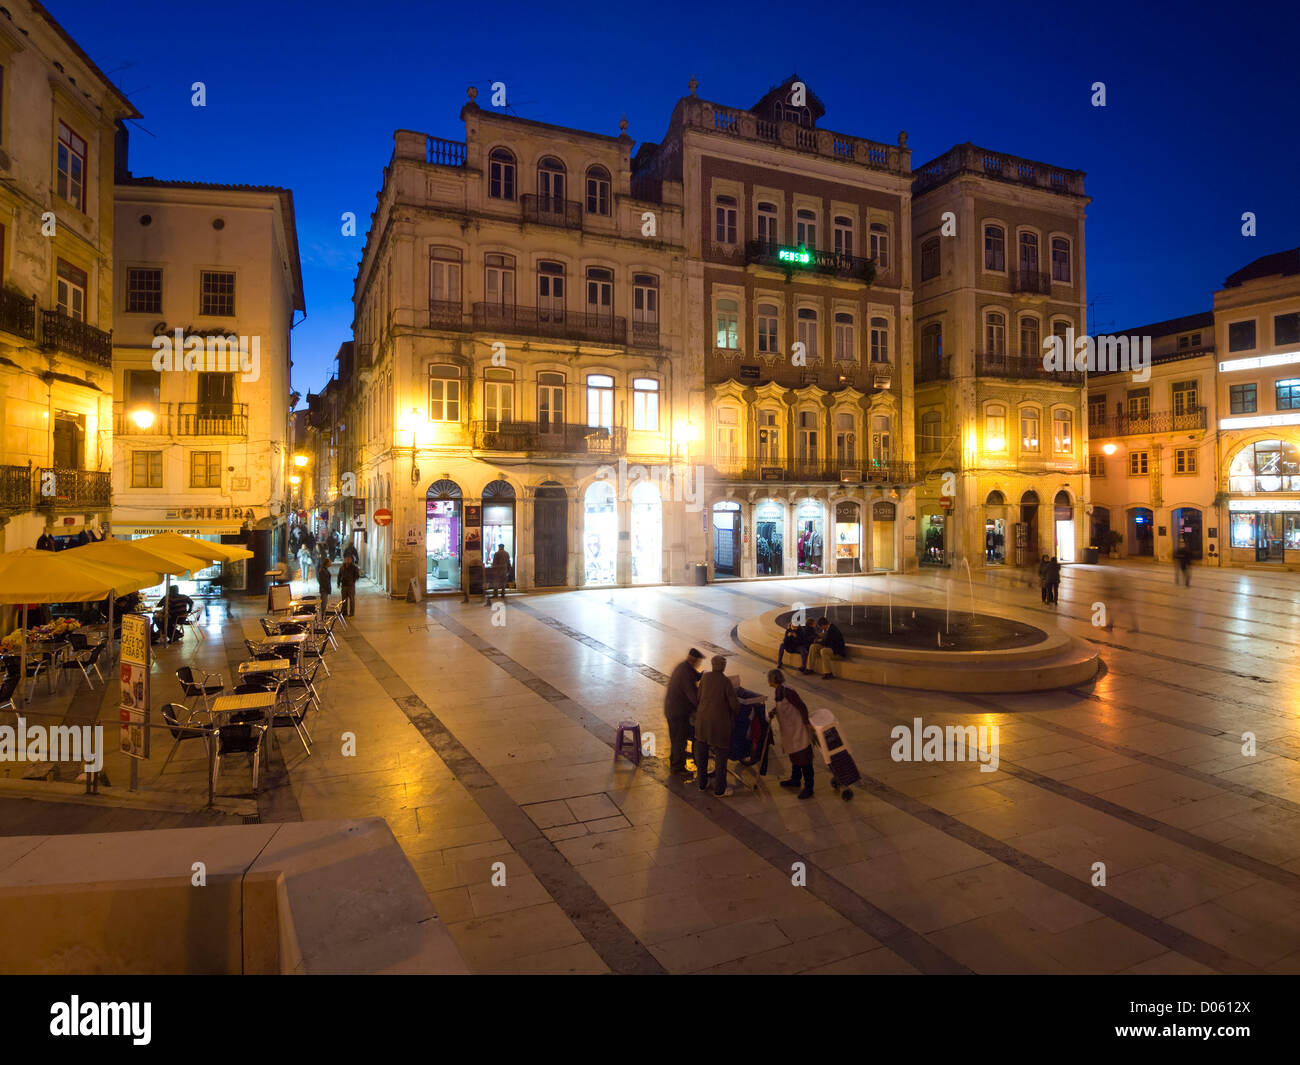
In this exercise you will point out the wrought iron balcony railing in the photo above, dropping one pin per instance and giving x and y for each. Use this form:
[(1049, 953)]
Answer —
[(446, 314), (17, 314), (552, 211), (15, 487), (71, 337), (212, 419), (562, 439), (543, 322), (763, 253), (1162, 421), (1032, 281), (645, 334), (125, 422), (67, 488), (819, 470), (1024, 367)]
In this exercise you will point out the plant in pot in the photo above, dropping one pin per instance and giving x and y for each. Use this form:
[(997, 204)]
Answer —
[(1111, 540)]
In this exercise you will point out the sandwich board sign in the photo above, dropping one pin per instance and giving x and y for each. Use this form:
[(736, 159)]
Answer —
[(134, 708)]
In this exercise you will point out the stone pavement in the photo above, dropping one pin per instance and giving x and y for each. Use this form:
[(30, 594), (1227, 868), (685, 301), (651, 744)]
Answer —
[(488, 748)]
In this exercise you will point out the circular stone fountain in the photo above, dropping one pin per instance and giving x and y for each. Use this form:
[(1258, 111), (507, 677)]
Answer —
[(928, 648)]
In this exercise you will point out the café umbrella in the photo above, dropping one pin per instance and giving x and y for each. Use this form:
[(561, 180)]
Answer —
[(204, 550), (31, 576)]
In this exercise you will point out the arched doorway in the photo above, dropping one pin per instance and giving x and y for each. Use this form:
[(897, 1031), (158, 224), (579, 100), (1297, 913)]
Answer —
[(848, 537), (995, 529), (1063, 515), (884, 519), (442, 536), (726, 539), (600, 534), (550, 536), (809, 533), (499, 522), (1187, 531), (1101, 529), (647, 522), (1027, 545), (1141, 533)]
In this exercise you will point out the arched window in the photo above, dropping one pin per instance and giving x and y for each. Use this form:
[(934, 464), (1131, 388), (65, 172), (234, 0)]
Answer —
[(879, 339), (1028, 255), (645, 404), (880, 449), (550, 403), (550, 292), (444, 393), (551, 183), (1029, 420), (444, 283), (805, 233), (645, 307), (726, 451), (600, 295), (1061, 260), (880, 245), (995, 499), (806, 322), (767, 223), (1062, 432), (498, 397), (598, 199), (995, 333), (724, 217), (846, 439), (846, 341), (995, 248), (931, 430), (728, 318), (1030, 337), (929, 258), (600, 401), (931, 352), (501, 174), (768, 339), (843, 234), (995, 427), (769, 438), (1265, 466), (499, 280)]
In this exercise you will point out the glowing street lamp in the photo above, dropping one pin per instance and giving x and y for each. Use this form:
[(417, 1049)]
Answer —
[(300, 460), (143, 417), (1109, 449), (294, 479)]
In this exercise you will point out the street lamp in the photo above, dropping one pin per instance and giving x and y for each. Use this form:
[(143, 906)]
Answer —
[(417, 425), (295, 480), (1109, 449), (143, 417), (300, 460)]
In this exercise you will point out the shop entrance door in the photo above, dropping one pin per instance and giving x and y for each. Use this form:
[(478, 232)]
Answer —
[(550, 537), (1268, 542), (726, 539), (1187, 526)]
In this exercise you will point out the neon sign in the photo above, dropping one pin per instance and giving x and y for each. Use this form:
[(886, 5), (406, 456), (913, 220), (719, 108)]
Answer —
[(794, 255)]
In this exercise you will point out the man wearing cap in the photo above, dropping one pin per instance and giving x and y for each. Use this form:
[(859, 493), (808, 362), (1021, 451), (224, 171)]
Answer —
[(679, 704)]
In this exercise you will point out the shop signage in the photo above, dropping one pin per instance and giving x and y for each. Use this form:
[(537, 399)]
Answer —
[(383, 517), (211, 514), (771, 473), (359, 524), (1277, 506), (358, 507), (882, 511), (750, 373), (134, 705), (794, 255), (846, 512)]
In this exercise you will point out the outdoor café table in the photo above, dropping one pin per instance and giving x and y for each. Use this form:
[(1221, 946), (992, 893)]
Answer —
[(50, 650), (273, 665), (225, 705), (280, 641)]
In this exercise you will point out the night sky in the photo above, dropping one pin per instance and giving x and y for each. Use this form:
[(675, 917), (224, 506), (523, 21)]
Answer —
[(1200, 123)]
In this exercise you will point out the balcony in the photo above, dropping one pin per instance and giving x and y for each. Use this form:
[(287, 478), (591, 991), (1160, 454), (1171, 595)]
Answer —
[(792, 259), (552, 211), (1164, 421), (1031, 281), (212, 419), (645, 334), (70, 337), (125, 425), (446, 314), (548, 438), (968, 159), (1022, 367), (931, 369), (73, 489), (555, 324), (15, 487), (821, 471), (17, 314), (441, 152)]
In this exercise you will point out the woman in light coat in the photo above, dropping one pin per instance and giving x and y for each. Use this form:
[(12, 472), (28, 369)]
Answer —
[(791, 715)]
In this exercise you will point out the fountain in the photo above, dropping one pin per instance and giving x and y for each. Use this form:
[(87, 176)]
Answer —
[(969, 586)]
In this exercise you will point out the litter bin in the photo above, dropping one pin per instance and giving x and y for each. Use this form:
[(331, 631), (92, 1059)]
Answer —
[(1091, 556), (701, 573)]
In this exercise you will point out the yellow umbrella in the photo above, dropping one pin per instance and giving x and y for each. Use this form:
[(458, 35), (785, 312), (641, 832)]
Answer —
[(134, 554), (206, 550)]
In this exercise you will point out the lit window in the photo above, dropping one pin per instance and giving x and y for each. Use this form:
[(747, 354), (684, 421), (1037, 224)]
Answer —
[(645, 404), (1062, 432), (1029, 430), (600, 401), (995, 428), (444, 394), (728, 319)]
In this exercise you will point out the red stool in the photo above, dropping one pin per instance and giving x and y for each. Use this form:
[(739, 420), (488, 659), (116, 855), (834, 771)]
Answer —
[(628, 741)]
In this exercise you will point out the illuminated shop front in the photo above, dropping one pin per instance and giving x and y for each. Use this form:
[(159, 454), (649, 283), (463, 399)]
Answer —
[(884, 518), (499, 521), (442, 536), (810, 532), (647, 534), (769, 532), (600, 534), (1264, 529), (995, 529), (848, 537), (726, 539)]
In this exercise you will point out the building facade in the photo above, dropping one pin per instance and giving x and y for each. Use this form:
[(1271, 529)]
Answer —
[(1001, 441), (518, 374), (798, 330), (59, 116), (208, 283), (1152, 458)]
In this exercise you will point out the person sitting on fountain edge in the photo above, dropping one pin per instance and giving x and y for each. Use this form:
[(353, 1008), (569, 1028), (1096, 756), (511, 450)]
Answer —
[(828, 646), (797, 641)]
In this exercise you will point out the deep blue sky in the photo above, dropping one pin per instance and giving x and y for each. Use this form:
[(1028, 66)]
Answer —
[(1200, 123)]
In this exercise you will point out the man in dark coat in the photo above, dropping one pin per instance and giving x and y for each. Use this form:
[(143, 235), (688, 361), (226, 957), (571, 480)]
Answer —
[(828, 646), (796, 641), (680, 700), (715, 720), (1053, 580)]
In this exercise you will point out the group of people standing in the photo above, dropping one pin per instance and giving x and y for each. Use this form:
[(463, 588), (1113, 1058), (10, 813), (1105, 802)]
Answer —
[(710, 703), (1049, 578)]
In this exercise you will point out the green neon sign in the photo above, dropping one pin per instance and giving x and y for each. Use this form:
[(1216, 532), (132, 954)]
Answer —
[(794, 255)]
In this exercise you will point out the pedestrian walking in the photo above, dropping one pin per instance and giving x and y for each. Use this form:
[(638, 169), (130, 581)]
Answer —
[(1044, 568), (499, 572), (680, 700), (791, 715), (349, 574), (828, 646), (1053, 579), (324, 583), (715, 718), (304, 563), (1182, 565)]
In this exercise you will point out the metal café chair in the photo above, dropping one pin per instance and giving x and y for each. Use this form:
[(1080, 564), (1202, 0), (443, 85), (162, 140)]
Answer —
[(191, 621), (180, 721), (84, 660), (247, 736), (8, 685), (268, 626), (195, 689)]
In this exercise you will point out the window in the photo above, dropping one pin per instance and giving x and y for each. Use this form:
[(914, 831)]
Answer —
[(1241, 399), (1184, 460), (843, 235), (1029, 253), (498, 397), (142, 390), (1059, 330), (444, 394), (1030, 338), (205, 469), (645, 303), (880, 245), (995, 428), (931, 429), (71, 290), (1097, 410), (216, 393), (550, 292), (1138, 462), (929, 258), (724, 220), (1062, 432), (1266, 466), (1029, 430), (645, 404), (1188, 341), (1186, 396), (143, 291), (551, 183), (600, 295), (768, 317), (1061, 260), (769, 439), (217, 293), (807, 439), (879, 339), (1288, 394), (728, 334), (805, 230), (501, 174), (728, 437), (598, 200), (444, 278), (146, 469), (880, 441), (499, 279), (1096, 465), (71, 181), (69, 440), (550, 402), (806, 322), (1286, 328), (767, 223), (1241, 336), (1139, 403), (931, 352), (600, 401), (846, 441), (995, 333), (846, 344), (995, 248)]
